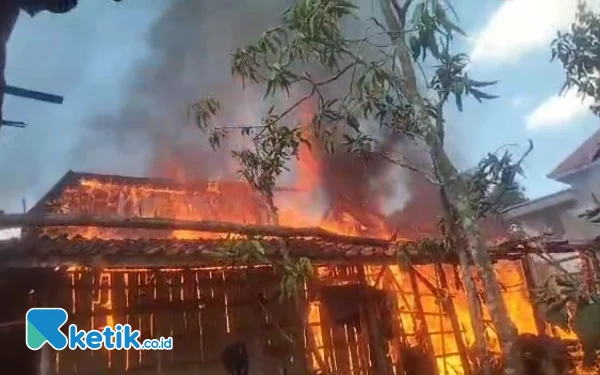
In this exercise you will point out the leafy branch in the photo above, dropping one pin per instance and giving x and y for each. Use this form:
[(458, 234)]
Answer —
[(578, 50), (294, 273), (492, 179), (310, 36)]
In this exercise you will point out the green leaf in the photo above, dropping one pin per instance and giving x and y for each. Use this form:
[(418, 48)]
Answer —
[(479, 95), (459, 102), (474, 83), (443, 19), (418, 13), (432, 45), (415, 46), (353, 122), (258, 247)]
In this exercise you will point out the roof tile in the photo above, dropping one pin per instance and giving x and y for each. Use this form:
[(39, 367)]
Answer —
[(584, 155)]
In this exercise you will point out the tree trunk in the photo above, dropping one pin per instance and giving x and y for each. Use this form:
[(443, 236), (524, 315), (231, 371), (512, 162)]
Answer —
[(465, 225), (507, 332), (475, 310)]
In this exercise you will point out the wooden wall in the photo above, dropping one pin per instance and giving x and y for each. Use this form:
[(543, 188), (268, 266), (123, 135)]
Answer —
[(204, 310)]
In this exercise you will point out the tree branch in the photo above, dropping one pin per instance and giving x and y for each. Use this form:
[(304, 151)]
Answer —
[(517, 164)]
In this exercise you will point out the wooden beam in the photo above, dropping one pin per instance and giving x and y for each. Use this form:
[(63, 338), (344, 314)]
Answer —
[(14, 124), (35, 95), (153, 262), (61, 220)]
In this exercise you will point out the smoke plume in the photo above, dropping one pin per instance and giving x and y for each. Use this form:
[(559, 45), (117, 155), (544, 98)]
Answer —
[(187, 60)]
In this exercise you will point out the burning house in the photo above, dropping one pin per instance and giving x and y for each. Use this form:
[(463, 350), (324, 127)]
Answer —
[(120, 250)]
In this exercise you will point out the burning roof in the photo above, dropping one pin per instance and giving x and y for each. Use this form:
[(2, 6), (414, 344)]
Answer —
[(115, 220), (135, 197), (150, 197), (316, 244)]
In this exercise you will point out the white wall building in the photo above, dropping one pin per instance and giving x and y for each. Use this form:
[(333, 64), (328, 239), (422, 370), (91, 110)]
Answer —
[(558, 213)]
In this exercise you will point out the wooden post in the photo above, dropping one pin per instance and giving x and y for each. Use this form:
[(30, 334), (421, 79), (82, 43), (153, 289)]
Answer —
[(447, 304), (380, 360), (162, 321), (421, 331), (45, 355), (45, 366), (590, 267), (527, 266), (302, 305), (35, 95)]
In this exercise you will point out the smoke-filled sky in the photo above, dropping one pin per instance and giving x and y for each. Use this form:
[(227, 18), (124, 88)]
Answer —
[(128, 71)]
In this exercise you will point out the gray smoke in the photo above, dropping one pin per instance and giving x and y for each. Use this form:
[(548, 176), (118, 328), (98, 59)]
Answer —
[(188, 58)]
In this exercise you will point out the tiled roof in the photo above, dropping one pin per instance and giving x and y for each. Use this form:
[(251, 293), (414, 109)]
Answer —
[(62, 251), (584, 155), (79, 251)]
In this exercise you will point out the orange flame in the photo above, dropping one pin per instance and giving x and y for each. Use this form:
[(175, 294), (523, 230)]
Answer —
[(237, 203)]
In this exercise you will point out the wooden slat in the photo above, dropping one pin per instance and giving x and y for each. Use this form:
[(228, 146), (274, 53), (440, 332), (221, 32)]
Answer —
[(200, 295), (340, 348), (132, 358), (65, 297), (213, 320), (118, 358), (148, 319), (162, 322), (178, 318), (100, 358), (353, 349)]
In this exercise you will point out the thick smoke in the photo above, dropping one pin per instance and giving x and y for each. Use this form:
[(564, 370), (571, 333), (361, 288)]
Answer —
[(187, 60)]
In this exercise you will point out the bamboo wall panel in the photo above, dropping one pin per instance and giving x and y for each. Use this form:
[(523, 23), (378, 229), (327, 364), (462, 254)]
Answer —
[(207, 309), (193, 306)]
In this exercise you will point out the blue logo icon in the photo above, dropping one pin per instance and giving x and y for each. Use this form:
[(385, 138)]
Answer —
[(42, 325)]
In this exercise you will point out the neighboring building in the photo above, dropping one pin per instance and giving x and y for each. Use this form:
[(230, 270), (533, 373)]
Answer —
[(558, 214)]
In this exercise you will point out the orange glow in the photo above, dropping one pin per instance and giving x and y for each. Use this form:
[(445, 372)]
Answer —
[(106, 302), (444, 344), (224, 201), (395, 281), (236, 202), (210, 202), (314, 322)]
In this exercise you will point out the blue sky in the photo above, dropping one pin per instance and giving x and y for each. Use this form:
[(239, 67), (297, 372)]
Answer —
[(87, 56), (509, 41)]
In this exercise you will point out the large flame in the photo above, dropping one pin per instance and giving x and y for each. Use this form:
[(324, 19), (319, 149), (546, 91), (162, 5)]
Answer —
[(300, 203), (300, 206)]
